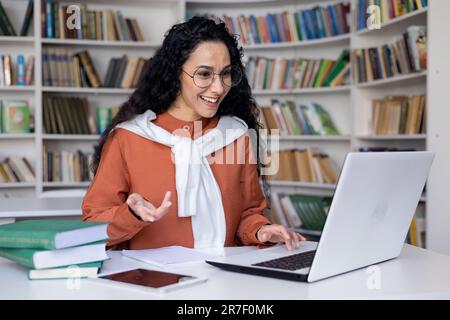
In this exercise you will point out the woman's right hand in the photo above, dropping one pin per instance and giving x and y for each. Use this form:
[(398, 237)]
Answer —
[(147, 211)]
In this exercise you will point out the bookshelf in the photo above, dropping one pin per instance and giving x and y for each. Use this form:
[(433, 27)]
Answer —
[(348, 105), (155, 15), (410, 84)]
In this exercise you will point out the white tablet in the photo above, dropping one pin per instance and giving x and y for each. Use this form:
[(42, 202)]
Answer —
[(150, 280)]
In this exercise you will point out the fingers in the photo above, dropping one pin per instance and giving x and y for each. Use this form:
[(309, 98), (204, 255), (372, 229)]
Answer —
[(264, 236), (279, 233), (297, 238), (132, 199), (286, 236), (147, 211), (164, 207)]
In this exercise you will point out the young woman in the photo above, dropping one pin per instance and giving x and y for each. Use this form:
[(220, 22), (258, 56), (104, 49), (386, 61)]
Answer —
[(163, 174)]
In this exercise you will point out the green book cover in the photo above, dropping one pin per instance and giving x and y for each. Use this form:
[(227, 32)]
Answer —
[(340, 64), (21, 256), (311, 210), (323, 65), (103, 118), (305, 217), (41, 234), (298, 28), (16, 117), (291, 106), (327, 124), (290, 119)]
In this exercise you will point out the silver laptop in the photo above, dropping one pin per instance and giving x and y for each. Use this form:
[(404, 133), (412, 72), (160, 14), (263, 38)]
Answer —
[(367, 223)]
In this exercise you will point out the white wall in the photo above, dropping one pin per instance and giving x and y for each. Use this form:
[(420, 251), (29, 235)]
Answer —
[(438, 205)]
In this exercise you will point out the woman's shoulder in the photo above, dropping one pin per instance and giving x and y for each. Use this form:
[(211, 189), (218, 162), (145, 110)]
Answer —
[(118, 138), (122, 134)]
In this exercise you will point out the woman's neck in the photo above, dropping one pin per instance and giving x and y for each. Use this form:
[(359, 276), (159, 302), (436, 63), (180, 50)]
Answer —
[(184, 114)]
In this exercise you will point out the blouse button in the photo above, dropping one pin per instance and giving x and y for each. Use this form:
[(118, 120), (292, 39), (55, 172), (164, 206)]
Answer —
[(186, 127)]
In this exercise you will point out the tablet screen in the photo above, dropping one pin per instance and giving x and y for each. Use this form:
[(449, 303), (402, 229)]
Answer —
[(148, 278)]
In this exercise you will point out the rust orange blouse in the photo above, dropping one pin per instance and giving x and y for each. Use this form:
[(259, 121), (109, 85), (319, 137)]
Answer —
[(131, 163)]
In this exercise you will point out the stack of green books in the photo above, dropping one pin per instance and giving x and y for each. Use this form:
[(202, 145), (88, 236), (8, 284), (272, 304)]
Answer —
[(54, 249)]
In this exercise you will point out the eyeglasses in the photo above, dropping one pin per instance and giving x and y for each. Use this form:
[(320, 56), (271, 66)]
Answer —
[(203, 77)]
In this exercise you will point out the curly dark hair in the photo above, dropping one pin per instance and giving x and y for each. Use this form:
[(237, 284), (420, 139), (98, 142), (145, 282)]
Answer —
[(160, 81)]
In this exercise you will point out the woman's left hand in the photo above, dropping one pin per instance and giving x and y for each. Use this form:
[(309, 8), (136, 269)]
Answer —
[(277, 233)]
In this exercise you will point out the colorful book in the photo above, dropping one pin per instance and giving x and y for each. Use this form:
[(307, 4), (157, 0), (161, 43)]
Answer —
[(20, 70), (327, 125), (51, 234), (103, 118), (16, 117)]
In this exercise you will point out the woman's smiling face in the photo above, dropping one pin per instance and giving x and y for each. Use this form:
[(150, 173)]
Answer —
[(195, 102)]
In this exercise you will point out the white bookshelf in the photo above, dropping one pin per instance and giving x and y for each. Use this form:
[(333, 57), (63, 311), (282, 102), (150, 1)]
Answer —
[(13, 136), (75, 90), (347, 105), (16, 40), (17, 185), (284, 92), (393, 137), (71, 137), (66, 184), (17, 89), (101, 43), (154, 15), (398, 80), (341, 39), (315, 138)]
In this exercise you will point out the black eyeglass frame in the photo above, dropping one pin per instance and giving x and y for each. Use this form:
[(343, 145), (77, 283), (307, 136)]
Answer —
[(214, 74)]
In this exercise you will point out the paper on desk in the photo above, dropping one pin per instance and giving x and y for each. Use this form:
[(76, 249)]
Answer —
[(171, 255)]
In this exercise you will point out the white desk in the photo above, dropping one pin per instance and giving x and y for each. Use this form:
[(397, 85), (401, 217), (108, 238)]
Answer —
[(416, 274)]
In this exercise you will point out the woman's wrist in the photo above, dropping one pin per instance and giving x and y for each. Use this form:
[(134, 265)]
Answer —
[(134, 213)]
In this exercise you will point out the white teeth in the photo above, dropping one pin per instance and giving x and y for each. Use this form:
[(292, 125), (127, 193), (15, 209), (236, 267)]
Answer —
[(210, 100)]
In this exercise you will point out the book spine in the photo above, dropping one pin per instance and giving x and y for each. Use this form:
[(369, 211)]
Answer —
[(49, 19), (20, 70), (27, 19)]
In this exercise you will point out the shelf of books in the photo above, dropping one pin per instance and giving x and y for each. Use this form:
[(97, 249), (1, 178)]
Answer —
[(17, 98), (52, 116)]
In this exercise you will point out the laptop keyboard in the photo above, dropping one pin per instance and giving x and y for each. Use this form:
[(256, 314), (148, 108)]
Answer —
[(293, 262)]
